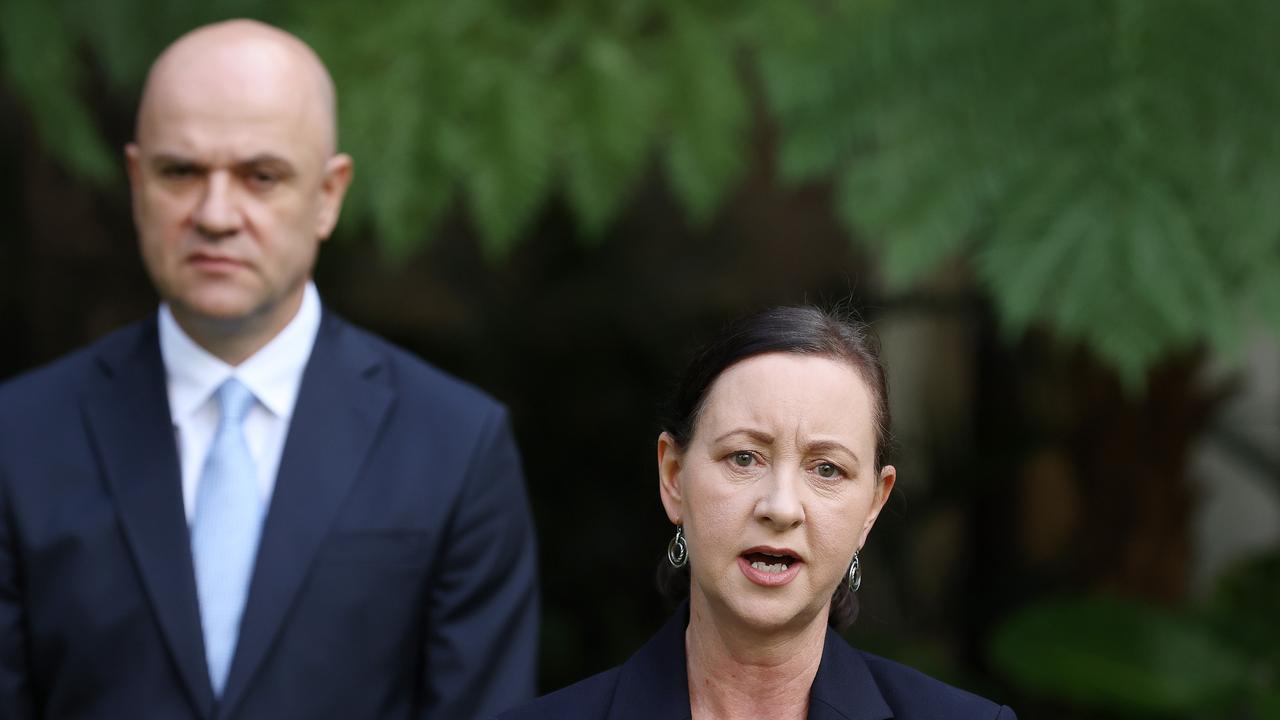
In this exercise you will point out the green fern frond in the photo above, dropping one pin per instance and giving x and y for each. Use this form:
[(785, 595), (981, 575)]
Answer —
[(706, 114), (609, 120), (1106, 163), (39, 56)]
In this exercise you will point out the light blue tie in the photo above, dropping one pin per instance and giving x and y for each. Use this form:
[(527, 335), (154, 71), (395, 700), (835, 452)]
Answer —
[(224, 533)]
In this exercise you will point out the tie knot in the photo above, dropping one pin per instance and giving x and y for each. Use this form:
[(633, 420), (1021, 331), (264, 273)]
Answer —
[(234, 400)]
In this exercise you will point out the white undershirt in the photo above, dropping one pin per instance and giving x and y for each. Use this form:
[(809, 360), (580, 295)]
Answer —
[(273, 375)]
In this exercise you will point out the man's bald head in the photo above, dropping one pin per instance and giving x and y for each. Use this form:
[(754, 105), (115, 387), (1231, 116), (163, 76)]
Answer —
[(236, 180), (242, 61)]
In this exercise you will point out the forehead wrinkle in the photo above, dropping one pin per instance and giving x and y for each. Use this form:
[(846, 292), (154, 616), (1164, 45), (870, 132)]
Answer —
[(220, 49), (741, 397)]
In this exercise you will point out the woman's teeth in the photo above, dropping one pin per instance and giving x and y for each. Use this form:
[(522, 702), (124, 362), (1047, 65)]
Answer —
[(769, 567)]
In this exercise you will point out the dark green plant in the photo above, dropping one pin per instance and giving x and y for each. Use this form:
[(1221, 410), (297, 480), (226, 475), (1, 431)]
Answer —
[(1105, 168), (1219, 660)]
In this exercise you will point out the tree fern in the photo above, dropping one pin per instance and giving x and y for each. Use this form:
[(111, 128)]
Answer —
[(1108, 165), (1106, 168)]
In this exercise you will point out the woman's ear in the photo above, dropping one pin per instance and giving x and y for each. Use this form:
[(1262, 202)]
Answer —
[(888, 476), (669, 460)]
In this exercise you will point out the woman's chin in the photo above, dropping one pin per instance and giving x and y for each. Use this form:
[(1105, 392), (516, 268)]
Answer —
[(771, 614), (734, 601)]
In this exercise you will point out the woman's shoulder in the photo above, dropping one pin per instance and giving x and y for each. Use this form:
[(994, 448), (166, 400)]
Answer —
[(850, 678), (652, 683), (911, 693), (584, 699)]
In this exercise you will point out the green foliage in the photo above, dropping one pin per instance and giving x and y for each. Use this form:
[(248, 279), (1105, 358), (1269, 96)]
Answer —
[(1105, 168), (608, 135), (708, 115), (507, 102), (498, 102), (42, 66), (1124, 656), (1243, 610), (1109, 166), (1109, 654)]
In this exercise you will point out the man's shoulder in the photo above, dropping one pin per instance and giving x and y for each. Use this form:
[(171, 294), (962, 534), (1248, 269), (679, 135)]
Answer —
[(588, 698), (417, 379), (61, 379), (911, 693)]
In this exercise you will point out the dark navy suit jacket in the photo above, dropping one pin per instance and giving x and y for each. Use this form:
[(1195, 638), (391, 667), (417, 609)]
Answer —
[(850, 685), (395, 577)]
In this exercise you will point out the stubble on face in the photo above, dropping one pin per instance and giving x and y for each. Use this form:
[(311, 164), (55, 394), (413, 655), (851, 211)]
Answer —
[(232, 180)]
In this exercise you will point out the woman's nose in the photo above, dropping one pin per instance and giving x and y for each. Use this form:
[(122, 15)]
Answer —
[(779, 504)]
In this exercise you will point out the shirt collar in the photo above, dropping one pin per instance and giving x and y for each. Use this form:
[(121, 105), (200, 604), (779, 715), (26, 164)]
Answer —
[(273, 374)]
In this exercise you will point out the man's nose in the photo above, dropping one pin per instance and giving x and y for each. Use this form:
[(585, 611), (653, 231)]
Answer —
[(779, 504), (216, 216)]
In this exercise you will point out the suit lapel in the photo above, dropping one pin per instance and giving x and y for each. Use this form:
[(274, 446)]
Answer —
[(341, 405), (654, 683), (130, 422), (844, 688)]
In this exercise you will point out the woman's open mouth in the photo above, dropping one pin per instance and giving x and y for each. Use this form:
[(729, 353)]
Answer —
[(769, 566)]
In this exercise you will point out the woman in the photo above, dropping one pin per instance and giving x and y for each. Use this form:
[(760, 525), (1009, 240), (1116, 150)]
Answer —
[(772, 469)]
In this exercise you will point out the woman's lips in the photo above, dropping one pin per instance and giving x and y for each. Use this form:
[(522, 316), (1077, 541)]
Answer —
[(769, 570)]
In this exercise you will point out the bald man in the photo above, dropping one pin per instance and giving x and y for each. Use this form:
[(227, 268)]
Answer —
[(244, 507)]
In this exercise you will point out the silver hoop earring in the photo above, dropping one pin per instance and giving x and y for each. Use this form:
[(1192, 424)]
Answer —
[(678, 549), (854, 576)]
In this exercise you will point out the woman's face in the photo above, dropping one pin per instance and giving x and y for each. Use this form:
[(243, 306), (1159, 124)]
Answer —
[(776, 489)]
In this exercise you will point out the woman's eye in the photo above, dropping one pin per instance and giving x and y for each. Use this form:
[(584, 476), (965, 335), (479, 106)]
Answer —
[(742, 459), (827, 470)]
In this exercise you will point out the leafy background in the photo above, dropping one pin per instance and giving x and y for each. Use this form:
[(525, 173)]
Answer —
[(1068, 208)]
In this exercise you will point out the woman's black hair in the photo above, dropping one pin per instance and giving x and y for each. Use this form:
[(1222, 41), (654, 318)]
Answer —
[(802, 330)]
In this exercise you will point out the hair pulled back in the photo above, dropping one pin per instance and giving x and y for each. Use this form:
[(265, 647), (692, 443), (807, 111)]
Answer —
[(802, 330)]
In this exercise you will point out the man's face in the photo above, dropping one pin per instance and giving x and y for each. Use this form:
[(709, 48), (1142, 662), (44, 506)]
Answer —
[(234, 185)]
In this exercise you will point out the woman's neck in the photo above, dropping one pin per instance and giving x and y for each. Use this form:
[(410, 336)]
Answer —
[(737, 672)]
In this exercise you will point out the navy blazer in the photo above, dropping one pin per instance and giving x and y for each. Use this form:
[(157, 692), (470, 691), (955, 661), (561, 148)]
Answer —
[(849, 685), (396, 576)]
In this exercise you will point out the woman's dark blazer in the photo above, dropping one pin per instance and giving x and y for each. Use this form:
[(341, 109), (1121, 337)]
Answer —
[(850, 685)]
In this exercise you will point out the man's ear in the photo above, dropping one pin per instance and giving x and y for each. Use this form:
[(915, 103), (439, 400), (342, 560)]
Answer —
[(338, 171), (670, 457), (132, 164)]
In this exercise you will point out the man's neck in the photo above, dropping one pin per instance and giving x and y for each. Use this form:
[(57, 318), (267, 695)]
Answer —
[(234, 340), (735, 672)]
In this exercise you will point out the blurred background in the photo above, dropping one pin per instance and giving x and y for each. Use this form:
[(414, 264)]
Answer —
[(1063, 218)]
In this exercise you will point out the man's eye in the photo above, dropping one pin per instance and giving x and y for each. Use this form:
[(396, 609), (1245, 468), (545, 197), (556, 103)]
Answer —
[(178, 172), (263, 178), (743, 459)]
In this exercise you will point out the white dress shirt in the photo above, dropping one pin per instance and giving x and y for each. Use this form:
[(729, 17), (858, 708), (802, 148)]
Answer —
[(273, 375)]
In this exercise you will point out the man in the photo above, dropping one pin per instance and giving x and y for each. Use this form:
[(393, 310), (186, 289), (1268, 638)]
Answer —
[(245, 507)]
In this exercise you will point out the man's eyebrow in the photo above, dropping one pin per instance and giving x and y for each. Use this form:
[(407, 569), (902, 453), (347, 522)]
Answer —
[(168, 159), (269, 159)]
